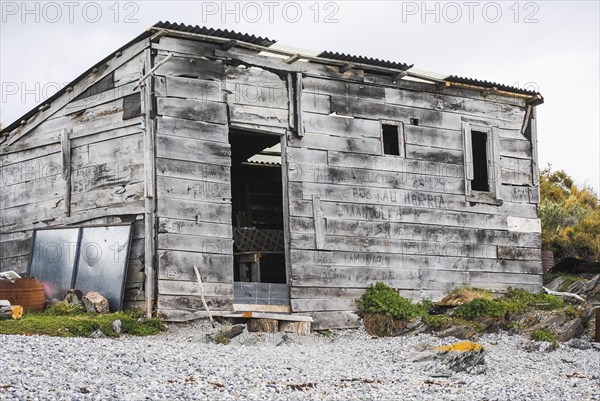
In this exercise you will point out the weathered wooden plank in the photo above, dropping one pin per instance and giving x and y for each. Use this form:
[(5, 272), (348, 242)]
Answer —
[(398, 246), (516, 171), (177, 188), (320, 173), (326, 292), (178, 45), (29, 154), (178, 315), (341, 126), (182, 288), (194, 210), (336, 143), (313, 305), (110, 151), (18, 264), (257, 116), (193, 109), (417, 232), (420, 199), (14, 248), (342, 89), (172, 226), (440, 155), (179, 148), (194, 243), (515, 148), (193, 88), (194, 303), (192, 170), (519, 253), (31, 191), (411, 278), (394, 164), (179, 265), (191, 67), (102, 198), (433, 137)]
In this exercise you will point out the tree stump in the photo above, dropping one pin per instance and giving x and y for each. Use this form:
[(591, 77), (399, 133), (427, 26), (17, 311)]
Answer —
[(263, 325)]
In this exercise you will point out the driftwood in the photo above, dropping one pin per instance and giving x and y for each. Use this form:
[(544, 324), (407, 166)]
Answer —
[(564, 294), (212, 322)]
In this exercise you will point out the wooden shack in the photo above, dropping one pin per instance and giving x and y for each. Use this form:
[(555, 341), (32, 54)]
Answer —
[(291, 181)]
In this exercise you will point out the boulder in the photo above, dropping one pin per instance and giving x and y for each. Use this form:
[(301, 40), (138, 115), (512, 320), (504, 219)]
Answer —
[(94, 302), (117, 326), (465, 356)]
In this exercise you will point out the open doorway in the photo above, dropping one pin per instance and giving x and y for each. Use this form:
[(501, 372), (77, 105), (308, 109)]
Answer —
[(257, 219)]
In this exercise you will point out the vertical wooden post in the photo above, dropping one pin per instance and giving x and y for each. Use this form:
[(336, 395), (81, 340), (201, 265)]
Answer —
[(149, 183), (298, 105), (65, 149), (468, 156), (319, 223)]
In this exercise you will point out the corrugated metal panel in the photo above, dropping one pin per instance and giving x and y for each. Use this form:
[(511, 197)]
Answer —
[(220, 33), (364, 60), (488, 84)]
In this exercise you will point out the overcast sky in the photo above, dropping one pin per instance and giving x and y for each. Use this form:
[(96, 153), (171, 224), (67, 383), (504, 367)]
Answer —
[(551, 46)]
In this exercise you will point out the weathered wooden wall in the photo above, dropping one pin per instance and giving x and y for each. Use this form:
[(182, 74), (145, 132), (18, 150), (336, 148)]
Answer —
[(100, 115), (404, 221)]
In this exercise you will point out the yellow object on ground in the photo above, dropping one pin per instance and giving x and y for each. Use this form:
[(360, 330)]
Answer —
[(17, 312), (462, 346)]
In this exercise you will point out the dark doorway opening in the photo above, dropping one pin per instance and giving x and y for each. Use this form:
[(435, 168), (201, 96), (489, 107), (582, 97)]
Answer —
[(257, 207)]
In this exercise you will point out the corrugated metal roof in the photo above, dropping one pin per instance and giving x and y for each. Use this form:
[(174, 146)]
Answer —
[(261, 41), (488, 84), (220, 33), (364, 60)]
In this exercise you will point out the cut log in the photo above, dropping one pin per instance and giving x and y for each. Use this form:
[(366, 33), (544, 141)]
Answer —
[(263, 325), (13, 312), (94, 302)]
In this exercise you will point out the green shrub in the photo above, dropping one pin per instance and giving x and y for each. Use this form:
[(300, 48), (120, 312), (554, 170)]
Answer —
[(519, 300), (382, 299), (480, 307), (544, 335)]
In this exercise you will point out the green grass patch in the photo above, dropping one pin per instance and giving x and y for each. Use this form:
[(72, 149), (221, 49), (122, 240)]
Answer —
[(65, 321), (480, 307), (544, 335), (519, 301)]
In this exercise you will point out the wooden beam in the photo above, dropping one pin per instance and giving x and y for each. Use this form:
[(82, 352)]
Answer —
[(399, 76), (293, 58), (66, 168), (149, 182), (346, 67), (229, 44), (318, 222), (298, 105)]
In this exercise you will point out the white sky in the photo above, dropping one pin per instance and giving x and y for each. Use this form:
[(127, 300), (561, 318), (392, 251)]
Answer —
[(553, 46)]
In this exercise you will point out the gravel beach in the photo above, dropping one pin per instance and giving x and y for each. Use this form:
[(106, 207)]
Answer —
[(347, 365)]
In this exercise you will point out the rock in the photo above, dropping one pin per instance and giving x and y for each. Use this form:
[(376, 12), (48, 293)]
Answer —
[(578, 343), (94, 302), (464, 356), (98, 334), (572, 328), (117, 326), (559, 322), (462, 332), (555, 284), (225, 333), (73, 297)]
